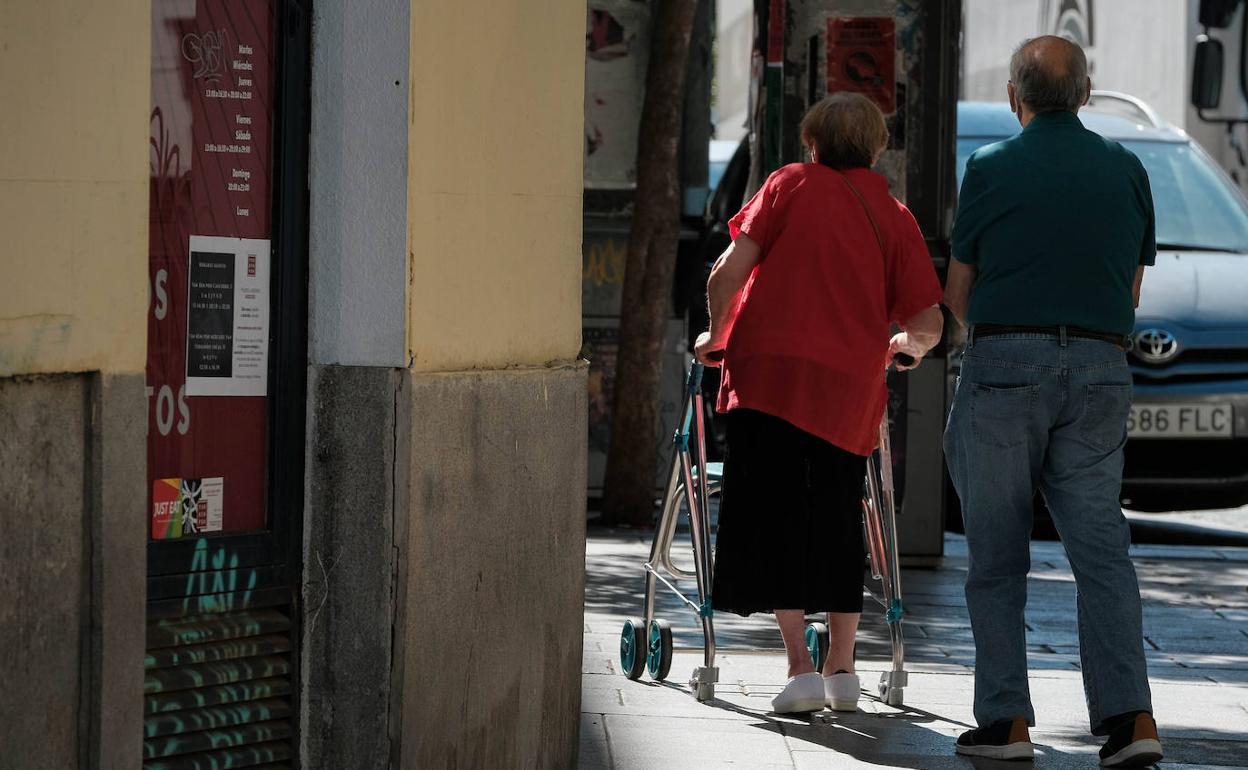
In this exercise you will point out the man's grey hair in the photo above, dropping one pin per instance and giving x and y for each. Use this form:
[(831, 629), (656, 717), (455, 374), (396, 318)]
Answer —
[(1046, 84)]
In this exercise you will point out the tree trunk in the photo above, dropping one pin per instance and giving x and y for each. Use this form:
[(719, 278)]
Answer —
[(628, 496)]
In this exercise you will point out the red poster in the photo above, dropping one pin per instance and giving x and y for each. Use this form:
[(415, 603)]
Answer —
[(862, 57), (775, 33), (211, 179)]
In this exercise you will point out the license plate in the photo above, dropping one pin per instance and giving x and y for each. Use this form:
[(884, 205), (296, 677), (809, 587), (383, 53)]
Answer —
[(1180, 421)]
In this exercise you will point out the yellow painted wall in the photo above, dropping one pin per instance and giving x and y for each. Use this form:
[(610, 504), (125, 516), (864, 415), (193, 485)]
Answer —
[(74, 101), (495, 182)]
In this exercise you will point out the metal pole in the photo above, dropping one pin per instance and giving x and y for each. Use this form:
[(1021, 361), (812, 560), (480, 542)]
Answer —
[(704, 505)]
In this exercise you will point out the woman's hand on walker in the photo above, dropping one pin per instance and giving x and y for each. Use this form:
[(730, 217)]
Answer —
[(709, 351), (901, 343)]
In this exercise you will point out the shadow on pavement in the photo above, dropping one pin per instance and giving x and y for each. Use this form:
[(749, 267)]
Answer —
[(896, 740), (1161, 532), (1222, 749)]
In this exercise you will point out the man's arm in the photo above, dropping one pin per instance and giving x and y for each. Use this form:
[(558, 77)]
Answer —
[(723, 292), (920, 333), (958, 283), (1148, 245), (975, 204)]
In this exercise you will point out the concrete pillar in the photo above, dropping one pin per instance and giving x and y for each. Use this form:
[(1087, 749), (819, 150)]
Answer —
[(444, 526), (496, 503), (495, 569), (73, 210), (71, 591), (355, 507)]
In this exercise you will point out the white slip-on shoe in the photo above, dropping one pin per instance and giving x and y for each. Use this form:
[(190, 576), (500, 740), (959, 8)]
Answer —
[(842, 691), (803, 694)]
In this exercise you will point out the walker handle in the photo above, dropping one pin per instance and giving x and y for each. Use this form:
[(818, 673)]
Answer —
[(694, 382)]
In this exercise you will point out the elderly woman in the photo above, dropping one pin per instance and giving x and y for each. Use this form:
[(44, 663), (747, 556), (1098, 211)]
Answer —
[(823, 262)]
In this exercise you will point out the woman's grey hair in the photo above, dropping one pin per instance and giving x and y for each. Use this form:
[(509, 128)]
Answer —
[(1050, 76), (846, 129)]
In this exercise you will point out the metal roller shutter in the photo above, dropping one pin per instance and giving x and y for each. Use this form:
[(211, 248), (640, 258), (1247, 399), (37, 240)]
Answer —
[(219, 683)]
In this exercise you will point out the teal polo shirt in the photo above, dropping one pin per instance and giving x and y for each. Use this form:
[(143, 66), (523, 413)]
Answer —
[(1056, 220)]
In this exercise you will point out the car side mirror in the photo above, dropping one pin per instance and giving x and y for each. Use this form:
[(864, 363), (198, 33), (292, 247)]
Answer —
[(1207, 74), (1217, 13)]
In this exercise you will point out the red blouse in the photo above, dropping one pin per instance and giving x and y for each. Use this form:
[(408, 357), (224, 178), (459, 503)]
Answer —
[(810, 337)]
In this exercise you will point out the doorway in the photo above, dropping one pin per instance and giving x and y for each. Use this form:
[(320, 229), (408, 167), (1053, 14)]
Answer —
[(226, 376)]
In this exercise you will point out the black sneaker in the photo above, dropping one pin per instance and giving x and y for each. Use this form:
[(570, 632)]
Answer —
[(1134, 744), (1007, 739)]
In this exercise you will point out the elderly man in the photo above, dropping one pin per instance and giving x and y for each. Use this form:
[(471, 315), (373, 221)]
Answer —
[(1054, 228)]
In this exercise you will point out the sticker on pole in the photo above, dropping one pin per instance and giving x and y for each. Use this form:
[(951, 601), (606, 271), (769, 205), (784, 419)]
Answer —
[(862, 58)]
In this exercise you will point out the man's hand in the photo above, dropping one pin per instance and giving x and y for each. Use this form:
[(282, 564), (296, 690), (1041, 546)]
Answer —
[(710, 351)]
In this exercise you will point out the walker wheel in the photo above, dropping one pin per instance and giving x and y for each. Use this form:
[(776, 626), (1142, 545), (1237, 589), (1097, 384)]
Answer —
[(633, 648), (817, 644), (659, 650)]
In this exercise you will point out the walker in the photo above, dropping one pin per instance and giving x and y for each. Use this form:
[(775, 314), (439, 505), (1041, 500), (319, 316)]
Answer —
[(646, 642)]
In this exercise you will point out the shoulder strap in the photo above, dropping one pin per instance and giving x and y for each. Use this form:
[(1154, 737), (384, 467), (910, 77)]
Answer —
[(878, 238)]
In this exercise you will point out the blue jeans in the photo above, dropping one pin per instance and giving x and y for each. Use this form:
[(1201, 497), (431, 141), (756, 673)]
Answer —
[(1035, 411)]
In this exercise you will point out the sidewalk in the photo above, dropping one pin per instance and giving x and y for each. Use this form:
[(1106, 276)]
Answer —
[(1195, 621)]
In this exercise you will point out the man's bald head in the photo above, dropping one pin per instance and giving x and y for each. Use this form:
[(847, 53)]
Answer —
[(1049, 74)]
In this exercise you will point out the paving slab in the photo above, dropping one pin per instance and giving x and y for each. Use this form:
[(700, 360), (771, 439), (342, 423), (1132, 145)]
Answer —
[(654, 742), (595, 754), (1195, 613), (1232, 645)]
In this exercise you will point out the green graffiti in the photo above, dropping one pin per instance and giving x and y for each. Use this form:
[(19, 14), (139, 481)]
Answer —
[(232, 743), (240, 648), (216, 685), (212, 583), (215, 718), (179, 700), (166, 680)]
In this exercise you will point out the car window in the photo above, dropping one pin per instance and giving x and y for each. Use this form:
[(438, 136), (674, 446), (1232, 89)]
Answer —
[(720, 153), (1195, 206), (715, 172), (968, 146)]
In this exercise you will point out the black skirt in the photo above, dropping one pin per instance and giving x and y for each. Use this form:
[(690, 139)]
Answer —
[(790, 521)]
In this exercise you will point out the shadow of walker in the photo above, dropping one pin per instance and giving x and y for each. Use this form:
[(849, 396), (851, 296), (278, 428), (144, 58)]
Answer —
[(897, 739)]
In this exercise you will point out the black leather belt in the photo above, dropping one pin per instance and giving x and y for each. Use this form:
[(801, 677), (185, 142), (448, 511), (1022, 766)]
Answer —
[(997, 330)]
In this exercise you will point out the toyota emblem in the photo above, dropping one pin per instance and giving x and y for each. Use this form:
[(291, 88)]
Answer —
[(1156, 346)]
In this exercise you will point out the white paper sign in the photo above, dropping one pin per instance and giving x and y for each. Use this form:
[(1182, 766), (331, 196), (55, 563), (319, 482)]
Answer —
[(227, 317)]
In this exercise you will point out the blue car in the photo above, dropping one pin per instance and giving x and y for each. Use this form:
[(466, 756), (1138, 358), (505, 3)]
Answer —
[(1188, 431)]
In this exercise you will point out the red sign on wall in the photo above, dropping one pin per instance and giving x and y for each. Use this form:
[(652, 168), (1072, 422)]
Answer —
[(775, 34), (862, 57), (210, 203)]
